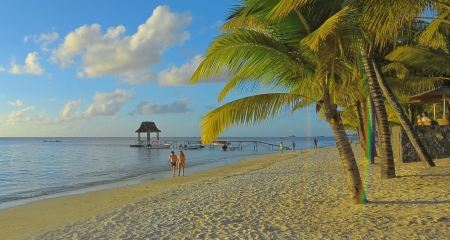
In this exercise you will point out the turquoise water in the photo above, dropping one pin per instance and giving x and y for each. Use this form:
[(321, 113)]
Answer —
[(31, 168)]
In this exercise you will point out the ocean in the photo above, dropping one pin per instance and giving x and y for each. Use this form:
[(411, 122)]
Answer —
[(32, 169)]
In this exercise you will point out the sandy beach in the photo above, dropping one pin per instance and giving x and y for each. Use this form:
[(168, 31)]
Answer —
[(293, 195)]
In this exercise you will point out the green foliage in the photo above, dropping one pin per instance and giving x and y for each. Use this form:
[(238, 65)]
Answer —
[(249, 110)]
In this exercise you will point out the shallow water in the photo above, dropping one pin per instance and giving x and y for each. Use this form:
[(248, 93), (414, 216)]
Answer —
[(31, 168)]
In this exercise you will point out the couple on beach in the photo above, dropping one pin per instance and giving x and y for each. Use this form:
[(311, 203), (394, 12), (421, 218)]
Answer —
[(175, 160)]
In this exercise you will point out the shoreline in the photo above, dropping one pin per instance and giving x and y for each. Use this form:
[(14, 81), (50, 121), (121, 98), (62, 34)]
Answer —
[(294, 195), (120, 183), (57, 209)]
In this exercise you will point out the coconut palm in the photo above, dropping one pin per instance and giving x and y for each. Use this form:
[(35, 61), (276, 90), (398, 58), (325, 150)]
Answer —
[(385, 23), (250, 43)]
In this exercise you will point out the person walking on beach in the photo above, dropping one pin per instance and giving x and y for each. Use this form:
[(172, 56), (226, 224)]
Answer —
[(315, 143), (281, 147), (173, 162), (181, 162), (293, 146)]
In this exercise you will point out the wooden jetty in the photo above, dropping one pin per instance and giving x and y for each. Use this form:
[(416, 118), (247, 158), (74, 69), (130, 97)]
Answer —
[(240, 144)]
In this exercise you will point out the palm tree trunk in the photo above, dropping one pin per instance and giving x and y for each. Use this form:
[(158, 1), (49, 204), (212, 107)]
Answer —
[(373, 127), (387, 155), (360, 129), (406, 124), (361, 124), (348, 160)]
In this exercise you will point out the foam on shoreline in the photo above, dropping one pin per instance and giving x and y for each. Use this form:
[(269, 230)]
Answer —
[(301, 195)]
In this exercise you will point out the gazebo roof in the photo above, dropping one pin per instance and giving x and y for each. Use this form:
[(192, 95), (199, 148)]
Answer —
[(148, 127), (432, 96)]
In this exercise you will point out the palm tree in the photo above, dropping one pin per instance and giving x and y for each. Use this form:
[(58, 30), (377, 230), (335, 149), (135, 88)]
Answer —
[(384, 22), (252, 42)]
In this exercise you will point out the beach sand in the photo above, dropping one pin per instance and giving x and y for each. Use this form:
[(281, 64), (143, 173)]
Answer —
[(293, 195)]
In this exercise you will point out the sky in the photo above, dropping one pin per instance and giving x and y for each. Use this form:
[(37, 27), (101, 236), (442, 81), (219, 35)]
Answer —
[(100, 68)]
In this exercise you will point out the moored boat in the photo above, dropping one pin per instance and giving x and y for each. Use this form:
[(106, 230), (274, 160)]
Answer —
[(157, 145), (191, 146), (226, 146), (51, 140), (229, 148), (219, 143)]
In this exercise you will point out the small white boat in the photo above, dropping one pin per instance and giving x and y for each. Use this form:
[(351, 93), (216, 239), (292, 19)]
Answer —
[(191, 146), (228, 147), (219, 143), (51, 140), (157, 145)]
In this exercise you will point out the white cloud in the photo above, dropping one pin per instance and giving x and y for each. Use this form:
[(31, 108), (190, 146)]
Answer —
[(128, 56), (2, 69), (38, 119), (147, 108), (16, 115), (46, 39), (66, 112), (105, 104), (178, 76), (108, 104), (181, 76), (16, 103), (32, 65)]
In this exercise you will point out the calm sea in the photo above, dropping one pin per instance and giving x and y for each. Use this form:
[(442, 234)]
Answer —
[(32, 170)]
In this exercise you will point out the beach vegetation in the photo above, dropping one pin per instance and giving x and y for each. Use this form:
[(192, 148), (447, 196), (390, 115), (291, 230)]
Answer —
[(286, 57), (306, 52)]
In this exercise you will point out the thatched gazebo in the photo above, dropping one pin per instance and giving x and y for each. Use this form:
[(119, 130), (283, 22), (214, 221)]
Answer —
[(148, 127), (441, 94)]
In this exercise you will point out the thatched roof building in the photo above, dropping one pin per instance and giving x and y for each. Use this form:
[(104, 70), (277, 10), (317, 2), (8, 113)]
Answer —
[(148, 127)]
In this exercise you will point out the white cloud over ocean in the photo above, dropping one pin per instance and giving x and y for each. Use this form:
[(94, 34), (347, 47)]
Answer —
[(147, 108), (105, 104), (129, 56), (15, 116), (181, 76), (18, 102)]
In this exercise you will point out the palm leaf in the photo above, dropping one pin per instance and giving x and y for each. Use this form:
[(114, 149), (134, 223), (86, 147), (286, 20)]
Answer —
[(421, 58), (247, 111), (329, 27), (238, 50)]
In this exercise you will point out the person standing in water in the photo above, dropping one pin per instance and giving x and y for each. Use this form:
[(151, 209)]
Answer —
[(281, 147), (181, 162), (173, 162), (315, 143), (293, 146)]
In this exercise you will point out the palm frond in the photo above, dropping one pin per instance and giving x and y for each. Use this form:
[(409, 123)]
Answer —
[(329, 27), (239, 50), (421, 58), (245, 111), (436, 33), (284, 7)]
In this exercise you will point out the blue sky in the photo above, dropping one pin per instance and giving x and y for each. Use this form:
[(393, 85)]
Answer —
[(100, 68)]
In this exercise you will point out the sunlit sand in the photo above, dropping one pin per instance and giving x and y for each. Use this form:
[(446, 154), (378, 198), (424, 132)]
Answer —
[(301, 195)]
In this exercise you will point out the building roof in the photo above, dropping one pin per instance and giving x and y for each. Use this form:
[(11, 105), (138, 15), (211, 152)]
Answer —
[(148, 127), (432, 96)]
